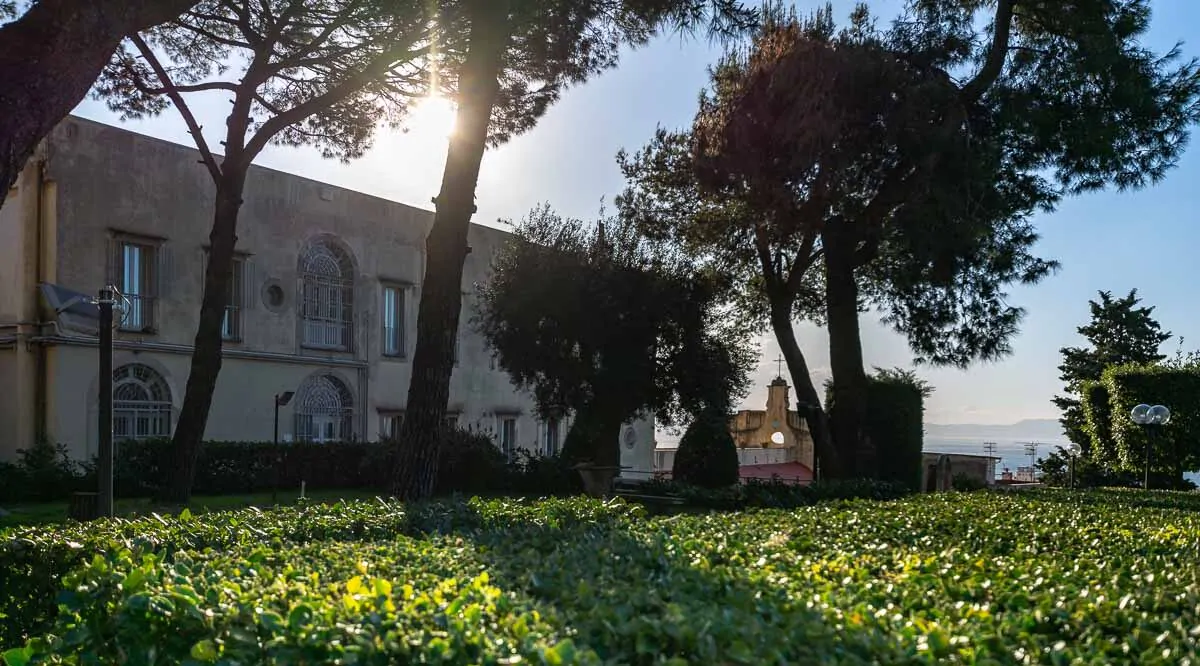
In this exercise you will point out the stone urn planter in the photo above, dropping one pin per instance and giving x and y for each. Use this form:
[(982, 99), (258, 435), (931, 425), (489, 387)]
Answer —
[(598, 479)]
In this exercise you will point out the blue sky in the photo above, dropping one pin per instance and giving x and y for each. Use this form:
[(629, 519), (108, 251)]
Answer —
[(1109, 241)]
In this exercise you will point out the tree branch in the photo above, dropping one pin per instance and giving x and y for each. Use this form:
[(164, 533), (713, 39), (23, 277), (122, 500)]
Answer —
[(803, 261), (195, 87), (330, 97), (994, 64), (763, 245), (177, 99)]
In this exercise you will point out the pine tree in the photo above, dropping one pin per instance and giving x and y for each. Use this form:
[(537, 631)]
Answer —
[(1120, 332), (518, 55), (313, 72)]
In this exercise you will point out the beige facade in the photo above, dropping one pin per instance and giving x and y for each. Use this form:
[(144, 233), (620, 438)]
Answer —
[(772, 436), (325, 304)]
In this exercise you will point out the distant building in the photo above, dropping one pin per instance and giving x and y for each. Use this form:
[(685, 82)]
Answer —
[(979, 468), (771, 442)]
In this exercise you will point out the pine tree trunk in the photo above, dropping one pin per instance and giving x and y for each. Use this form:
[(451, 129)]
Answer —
[(849, 409), (49, 59), (808, 403), (446, 250), (206, 353)]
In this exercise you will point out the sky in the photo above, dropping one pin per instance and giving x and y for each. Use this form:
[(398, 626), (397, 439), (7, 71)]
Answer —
[(1105, 241)]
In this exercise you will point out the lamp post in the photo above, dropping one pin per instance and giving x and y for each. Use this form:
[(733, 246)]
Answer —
[(1072, 454), (281, 400), (1146, 416), (104, 468)]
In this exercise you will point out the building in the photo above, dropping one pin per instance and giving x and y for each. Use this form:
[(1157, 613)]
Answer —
[(772, 442), (973, 467), (324, 303)]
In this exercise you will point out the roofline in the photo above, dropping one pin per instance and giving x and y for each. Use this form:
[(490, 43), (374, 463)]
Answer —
[(253, 166)]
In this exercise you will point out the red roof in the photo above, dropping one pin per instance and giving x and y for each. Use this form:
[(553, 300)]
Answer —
[(793, 472)]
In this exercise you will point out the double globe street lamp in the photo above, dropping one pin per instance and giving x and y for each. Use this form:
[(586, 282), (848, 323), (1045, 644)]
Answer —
[(1146, 415)]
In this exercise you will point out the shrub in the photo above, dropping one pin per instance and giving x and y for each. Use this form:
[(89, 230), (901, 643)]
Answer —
[(470, 463), (34, 560), (43, 472), (706, 456), (1176, 446), (896, 424), (584, 581), (1097, 419), (967, 483)]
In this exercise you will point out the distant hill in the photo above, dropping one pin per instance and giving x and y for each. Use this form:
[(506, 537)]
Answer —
[(1034, 430)]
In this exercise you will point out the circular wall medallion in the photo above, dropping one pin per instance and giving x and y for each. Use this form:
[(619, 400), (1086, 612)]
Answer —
[(777, 438), (629, 437), (273, 295)]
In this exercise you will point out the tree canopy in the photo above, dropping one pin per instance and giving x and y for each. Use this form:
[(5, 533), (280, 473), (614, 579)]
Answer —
[(517, 56), (1120, 332), (50, 56), (907, 162), (599, 322)]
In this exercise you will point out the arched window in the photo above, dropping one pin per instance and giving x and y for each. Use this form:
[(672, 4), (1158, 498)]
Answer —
[(141, 403), (326, 297), (324, 410)]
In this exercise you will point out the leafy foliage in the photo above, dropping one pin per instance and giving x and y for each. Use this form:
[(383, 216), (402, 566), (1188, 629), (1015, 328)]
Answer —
[(604, 323), (1097, 419), (485, 581), (1175, 447), (44, 472), (533, 48), (1120, 332), (896, 423), (470, 463), (1055, 469), (314, 73), (707, 457)]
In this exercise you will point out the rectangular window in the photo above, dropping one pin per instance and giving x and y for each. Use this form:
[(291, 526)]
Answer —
[(389, 424), (393, 321), (231, 325), (132, 270), (550, 445), (508, 435)]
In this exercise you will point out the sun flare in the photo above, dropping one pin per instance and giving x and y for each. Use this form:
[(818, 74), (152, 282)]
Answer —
[(432, 118)]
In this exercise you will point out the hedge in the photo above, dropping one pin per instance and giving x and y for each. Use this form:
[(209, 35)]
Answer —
[(896, 425), (469, 463), (935, 578), (1098, 418), (1176, 446)]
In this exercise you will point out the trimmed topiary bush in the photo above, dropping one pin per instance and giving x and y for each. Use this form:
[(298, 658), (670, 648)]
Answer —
[(706, 457)]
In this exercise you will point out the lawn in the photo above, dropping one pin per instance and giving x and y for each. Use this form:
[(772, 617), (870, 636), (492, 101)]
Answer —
[(1050, 577)]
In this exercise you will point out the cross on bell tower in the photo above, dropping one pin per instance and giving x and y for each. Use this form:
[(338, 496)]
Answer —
[(779, 366)]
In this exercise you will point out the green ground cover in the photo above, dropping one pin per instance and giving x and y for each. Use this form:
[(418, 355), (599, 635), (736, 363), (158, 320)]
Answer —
[(45, 513), (1049, 577)]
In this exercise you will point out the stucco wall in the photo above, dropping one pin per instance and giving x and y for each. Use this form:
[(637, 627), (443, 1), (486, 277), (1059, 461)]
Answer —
[(110, 180)]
